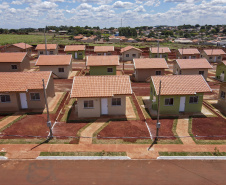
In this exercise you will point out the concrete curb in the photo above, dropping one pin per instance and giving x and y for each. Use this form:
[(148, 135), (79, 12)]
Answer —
[(83, 158), (3, 158), (191, 158)]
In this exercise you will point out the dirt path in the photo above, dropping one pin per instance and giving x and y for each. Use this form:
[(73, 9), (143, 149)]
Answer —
[(89, 131), (182, 130), (8, 120)]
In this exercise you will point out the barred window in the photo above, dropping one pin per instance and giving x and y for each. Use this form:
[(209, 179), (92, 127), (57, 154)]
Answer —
[(116, 101)]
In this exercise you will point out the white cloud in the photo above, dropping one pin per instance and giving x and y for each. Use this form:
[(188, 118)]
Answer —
[(140, 9), (154, 3), (120, 4), (44, 5), (4, 5), (94, 1)]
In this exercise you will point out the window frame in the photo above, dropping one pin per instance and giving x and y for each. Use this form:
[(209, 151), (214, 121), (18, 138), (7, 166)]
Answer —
[(59, 69), (89, 104), (127, 55), (110, 71), (158, 74), (51, 52), (134, 55), (14, 66), (192, 99), (4, 95), (201, 73), (118, 102), (169, 101), (35, 96)]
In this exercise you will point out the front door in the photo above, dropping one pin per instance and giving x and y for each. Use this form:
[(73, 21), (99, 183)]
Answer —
[(76, 55), (160, 55), (23, 101), (215, 59), (222, 77), (182, 104), (189, 57), (104, 106), (105, 54)]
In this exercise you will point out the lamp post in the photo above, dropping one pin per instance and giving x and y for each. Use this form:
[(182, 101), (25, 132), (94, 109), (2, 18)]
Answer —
[(158, 124)]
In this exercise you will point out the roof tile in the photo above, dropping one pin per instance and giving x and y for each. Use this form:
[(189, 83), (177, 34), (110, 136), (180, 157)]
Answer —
[(108, 60), (200, 63), (53, 60), (149, 63)]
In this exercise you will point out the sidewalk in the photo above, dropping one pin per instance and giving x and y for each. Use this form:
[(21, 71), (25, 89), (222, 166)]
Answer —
[(9, 119)]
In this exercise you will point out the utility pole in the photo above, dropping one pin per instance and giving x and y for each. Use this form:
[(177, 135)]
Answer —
[(45, 40), (123, 65), (158, 50), (47, 108), (158, 124)]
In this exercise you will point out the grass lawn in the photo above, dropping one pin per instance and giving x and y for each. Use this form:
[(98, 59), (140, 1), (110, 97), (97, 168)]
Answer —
[(2, 153), (103, 153)]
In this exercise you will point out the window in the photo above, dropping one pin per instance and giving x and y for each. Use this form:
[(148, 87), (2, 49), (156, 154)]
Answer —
[(222, 94), (210, 58), (193, 57), (164, 56), (193, 99), (61, 70), (35, 96), (108, 53), (116, 102), (127, 55), (51, 52), (184, 57), (5, 98), (157, 72), (110, 70), (169, 101), (88, 104), (201, 73), (180, 72), (99, 54), (80, 53), (219, 57), (134, 55), (41, 52), (14, 66)]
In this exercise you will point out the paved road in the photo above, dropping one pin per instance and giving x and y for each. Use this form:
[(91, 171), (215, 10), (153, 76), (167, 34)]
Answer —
[(112, 172)]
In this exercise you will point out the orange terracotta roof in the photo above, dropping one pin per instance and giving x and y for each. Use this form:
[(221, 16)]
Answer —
[(200, 63), (78, 37), (49, 46), (214, 52), (100, 86), (161, 50), (23, 81), (109, 60), (224, 62), (129, 48), (189, 51), (22, 45), (180, 84), (103, 48), (12, 57), (74, 48), (54, 60), (149, 63)]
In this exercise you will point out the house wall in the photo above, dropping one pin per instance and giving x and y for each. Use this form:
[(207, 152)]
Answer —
[(81, 57), (96, 111), (55, 51), (222, 102), (161, 55), (174, 109), (142, 74), (104, 53), (213, 58), (101, 70), (13, 105), (187, 56), (221, 68), (130, 52), (54, 69), (176, 71), (16, 49)]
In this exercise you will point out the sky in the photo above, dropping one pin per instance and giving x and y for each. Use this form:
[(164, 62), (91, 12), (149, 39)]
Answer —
[(110, 13)]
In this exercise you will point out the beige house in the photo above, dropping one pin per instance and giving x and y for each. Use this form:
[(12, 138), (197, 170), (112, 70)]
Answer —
[(159, 52), (104, 50), (190, 53), (146, 67), (24, 90), (130, 52), (19, 47), (101, 95), (52, 49), (222, 97), (60, 65), (213, 55), (191, 67), (14, 62)]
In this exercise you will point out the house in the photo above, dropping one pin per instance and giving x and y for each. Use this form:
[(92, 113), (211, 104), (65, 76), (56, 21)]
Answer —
[(19, 47), (102, 65), (222, 97), (104, 50), (191, 67), (24, 90), (14, 62), (60, 65), (179, 93), (161, 52), (188, 53), (130, 52), (131, 40), (101, 95), (146, 67), (221, 71), (78, 37), (213, 55), (52, 49), (77, 51)]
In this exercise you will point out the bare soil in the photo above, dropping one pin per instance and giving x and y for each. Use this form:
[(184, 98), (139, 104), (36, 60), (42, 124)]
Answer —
[(214, 85), (165, 128), (63, 85), (1, 117), (208, 127), (141, 89)]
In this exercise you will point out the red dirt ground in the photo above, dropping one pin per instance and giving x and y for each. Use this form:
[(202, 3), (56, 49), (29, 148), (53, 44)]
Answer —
[(62, 85), (214, 85), (1, 117), (209, 126), (141, 89), (33, 125), (165, 129), (125, 129)]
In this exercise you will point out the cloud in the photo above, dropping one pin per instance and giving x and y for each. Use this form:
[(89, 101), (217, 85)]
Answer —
[(140, 9), (4, 5), (120, 4), (154, 3), (94, 1)]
